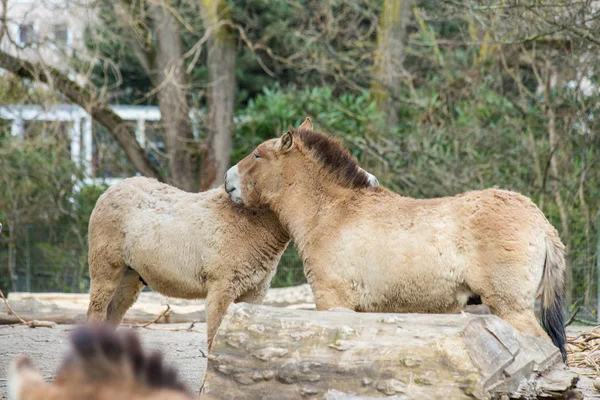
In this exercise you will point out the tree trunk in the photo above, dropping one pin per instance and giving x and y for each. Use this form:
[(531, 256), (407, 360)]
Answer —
[(598, 266), (562, 209), (221, 98), (100, 111), (12, 252), (28, 271), (587, 225), (82, 262), (172, 81), (262, 352), (391, 35)]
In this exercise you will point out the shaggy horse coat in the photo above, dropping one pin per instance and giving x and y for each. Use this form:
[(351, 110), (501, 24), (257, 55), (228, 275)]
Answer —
[(185, 245), (377, 251)]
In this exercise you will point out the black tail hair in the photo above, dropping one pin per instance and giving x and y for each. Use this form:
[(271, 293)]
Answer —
[(100, 351), (553, 317), (553, 321)]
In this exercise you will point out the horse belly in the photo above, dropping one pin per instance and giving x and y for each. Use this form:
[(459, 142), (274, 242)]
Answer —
[(412, 276), (175, 285), (172, 269), (404, 298)]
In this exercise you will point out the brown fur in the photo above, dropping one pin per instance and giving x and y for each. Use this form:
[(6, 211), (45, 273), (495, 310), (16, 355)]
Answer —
[(185, 245), (376, 251), (102, 365)]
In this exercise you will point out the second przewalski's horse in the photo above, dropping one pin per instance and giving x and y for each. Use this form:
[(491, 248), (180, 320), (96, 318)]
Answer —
[(183, 245), (377, 251)]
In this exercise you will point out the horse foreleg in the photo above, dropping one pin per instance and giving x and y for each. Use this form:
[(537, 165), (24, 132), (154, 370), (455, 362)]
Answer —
[(333, 298), (125, 296), (217, 302), (105, 279)]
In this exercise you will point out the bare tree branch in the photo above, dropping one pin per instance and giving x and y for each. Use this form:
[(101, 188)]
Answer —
[(145, 57), (100, 111)]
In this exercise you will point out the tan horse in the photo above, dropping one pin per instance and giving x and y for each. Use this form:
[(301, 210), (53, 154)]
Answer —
[(102, 365), (377, 251), (185, 245)]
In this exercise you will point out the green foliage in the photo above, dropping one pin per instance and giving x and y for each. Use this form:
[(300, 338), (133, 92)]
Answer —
[(271, 113), (47, 216), (35, 173), (281, 31), (290, 271)]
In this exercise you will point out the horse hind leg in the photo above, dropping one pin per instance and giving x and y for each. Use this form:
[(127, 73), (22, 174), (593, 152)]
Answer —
[(523, 320), (513, 303), (126, 294)]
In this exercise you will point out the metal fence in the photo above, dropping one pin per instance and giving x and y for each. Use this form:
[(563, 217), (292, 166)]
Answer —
[(583, 256), (43, 267)]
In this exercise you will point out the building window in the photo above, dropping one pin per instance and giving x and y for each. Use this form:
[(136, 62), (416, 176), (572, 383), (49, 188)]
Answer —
[(62, 35), (25, 34)]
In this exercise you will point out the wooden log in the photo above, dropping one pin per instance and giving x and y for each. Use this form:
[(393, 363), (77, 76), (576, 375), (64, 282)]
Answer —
[(263, 352), (71, 308), (279, 297), (63, 312)]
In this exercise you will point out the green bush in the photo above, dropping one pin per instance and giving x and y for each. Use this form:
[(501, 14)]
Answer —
[(48, 216), (271, 113)]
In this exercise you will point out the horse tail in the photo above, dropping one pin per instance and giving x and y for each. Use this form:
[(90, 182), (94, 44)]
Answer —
[(553, 318)]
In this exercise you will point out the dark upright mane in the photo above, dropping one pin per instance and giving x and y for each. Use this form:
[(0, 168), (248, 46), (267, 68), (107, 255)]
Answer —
[(99, 352), (335, 158)]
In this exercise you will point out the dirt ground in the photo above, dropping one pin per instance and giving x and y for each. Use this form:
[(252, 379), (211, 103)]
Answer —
[(47, 347)]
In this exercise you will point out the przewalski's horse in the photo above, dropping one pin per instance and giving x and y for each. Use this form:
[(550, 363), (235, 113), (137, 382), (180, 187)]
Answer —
[(377, 251), (185, 245)]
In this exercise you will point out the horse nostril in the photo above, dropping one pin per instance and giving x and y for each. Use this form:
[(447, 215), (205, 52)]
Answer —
[(225, 177)]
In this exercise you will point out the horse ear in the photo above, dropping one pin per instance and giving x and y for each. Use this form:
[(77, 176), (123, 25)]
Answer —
[(373, 181), (287, 141), (307, 124)]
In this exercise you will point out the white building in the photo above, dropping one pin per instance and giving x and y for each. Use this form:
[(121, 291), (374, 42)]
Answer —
[(48, 32), (82, 139)]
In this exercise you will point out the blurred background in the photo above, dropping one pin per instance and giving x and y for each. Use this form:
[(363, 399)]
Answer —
[(433, 97)]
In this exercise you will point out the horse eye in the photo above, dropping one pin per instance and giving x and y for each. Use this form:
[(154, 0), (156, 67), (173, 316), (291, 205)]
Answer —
[(256, 155)]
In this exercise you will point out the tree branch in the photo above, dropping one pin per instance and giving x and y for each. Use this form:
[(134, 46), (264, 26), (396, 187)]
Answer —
[(145, 57), (3, 19), (82, 96)]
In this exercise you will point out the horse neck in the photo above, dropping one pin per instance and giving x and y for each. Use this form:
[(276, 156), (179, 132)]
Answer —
[(301, 206), (277, 236), (267, 238)]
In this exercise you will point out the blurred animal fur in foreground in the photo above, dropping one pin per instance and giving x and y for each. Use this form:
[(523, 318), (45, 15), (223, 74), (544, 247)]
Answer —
[(102, 365)]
